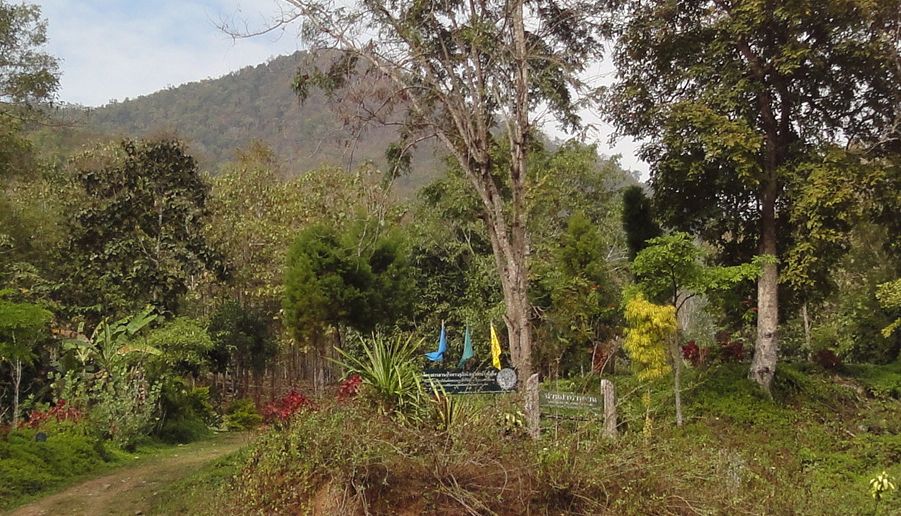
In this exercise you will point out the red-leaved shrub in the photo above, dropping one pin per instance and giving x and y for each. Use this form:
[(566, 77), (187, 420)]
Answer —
[(281, 410), (349, 387), (59, 413), (730, 350), (692, 353)]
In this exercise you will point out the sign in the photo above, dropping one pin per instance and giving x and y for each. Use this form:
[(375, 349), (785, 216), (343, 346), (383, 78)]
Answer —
[(568, 400), (472, 382)]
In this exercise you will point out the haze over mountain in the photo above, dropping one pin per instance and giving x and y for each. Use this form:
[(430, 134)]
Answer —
[(215, 117)]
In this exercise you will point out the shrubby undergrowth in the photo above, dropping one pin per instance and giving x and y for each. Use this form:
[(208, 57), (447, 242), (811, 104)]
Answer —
[(811, 450)]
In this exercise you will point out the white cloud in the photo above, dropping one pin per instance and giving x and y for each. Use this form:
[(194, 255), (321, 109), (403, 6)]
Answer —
[(114, 50)]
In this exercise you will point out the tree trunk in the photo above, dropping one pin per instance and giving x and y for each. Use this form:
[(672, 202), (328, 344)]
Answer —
[(518, 315), (677, 376), (17, 380), (519, 329), (532, 410), (806, 320), (766, 350), (609, 408)]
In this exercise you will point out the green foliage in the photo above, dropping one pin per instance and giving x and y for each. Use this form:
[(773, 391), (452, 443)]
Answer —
[(671, 269), (713, 144), (638, 219), (183, 343), (451, 257), (744, 153), (242, 334), (241, 414), (347, 278), (832, 198), (650, 329), (137, 236), (390, 371), (112, 343), (578, 298), (253, 212), (28, 467), (455, 270), (22, 325), (889, 296), (112, 384), (450, 412), (187, 412), (125, 408), (28, 76)]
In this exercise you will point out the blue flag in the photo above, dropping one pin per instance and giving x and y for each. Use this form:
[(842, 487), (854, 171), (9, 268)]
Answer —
[(467, 349), (435, 356)]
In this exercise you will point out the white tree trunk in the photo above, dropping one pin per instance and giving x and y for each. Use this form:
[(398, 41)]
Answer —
[(766, 350)]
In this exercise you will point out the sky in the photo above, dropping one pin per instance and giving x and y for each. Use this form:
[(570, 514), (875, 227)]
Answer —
[(118, 49)]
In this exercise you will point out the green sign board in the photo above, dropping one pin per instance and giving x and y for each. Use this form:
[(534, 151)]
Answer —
[(568, 400)]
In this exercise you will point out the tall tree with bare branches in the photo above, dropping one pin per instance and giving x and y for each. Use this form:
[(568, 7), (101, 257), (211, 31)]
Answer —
[(472, 74)]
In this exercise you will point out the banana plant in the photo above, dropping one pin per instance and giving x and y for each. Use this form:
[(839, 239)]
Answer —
[(113, 341)]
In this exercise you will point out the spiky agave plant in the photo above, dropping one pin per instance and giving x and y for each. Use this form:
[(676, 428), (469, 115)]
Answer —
[(388, 369), (448, 412)]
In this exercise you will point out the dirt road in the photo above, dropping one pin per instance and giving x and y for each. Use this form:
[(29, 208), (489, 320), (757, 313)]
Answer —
[(129, 489)]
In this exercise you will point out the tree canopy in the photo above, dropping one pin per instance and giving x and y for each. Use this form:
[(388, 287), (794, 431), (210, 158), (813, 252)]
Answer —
[(137, 236), (741, 101)]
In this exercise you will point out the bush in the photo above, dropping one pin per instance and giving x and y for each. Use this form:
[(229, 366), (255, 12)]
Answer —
[(283, 409), (241, 415), (59, 413), (28, 466), (126, 408), (739, 452), (187, 412), (827, 359)]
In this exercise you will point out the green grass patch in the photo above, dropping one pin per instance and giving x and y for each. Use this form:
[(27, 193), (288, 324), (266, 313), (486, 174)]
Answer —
[(30, 468), (202, 492)]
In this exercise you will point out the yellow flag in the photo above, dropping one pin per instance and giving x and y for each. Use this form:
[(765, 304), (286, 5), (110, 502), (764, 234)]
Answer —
[(495, 349)]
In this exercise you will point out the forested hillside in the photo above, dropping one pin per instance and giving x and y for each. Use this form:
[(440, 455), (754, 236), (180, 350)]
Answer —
[(217, 116)]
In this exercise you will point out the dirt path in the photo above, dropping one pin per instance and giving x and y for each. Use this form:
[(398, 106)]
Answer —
[(128, 490)]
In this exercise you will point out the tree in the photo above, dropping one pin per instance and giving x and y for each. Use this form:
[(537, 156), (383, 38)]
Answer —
[(579, 297), (22, 326), (736, 100), (136, 236), (242, 338), (340, 278), (466, 74), (455, 268), (253, 212), (638, 219), (671, 270), (28, 77), (183, 343)]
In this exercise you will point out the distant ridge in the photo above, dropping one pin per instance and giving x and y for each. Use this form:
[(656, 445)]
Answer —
[(218, 116)]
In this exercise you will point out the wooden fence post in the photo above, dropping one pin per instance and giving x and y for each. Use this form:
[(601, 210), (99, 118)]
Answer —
[(609, 408), (533, 418)]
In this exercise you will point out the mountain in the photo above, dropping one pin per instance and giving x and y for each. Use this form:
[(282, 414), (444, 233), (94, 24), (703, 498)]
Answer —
[(217, 116)]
